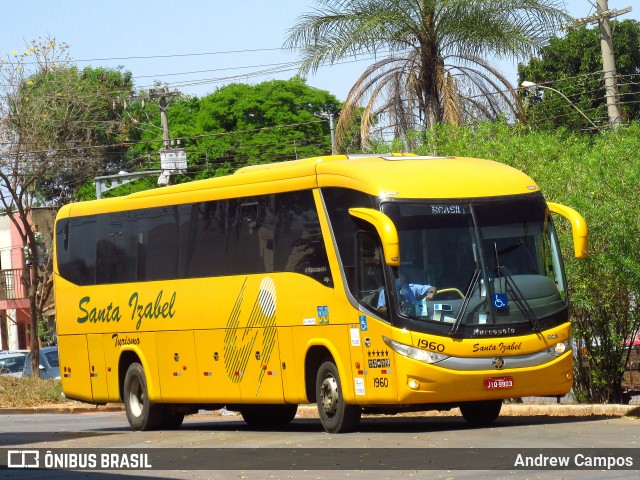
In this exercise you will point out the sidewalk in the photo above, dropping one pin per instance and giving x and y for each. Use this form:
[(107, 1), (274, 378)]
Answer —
[(310, 411)]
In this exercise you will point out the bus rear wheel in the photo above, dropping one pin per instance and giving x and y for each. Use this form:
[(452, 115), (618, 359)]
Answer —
[(141, 412), (481, 413), (336, 416), (268, 415)]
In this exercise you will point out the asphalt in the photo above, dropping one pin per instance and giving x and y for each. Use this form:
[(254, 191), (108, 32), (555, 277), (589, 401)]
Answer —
[(310, 411)]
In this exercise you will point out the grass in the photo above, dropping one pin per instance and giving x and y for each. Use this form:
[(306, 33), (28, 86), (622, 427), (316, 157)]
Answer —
[(19, 392)]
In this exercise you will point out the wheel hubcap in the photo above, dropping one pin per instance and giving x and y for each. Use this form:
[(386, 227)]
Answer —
[(136, 398), (329, 395)]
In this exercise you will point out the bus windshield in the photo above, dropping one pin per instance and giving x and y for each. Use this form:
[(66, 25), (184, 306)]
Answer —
[(490, 263)]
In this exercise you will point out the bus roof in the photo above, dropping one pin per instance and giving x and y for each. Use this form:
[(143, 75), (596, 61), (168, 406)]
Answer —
[(398, 176)]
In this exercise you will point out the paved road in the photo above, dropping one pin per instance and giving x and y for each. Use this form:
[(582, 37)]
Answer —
[(414, 438)]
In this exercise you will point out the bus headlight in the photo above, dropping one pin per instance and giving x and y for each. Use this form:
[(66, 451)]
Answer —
[(413, 352), (560, 348)]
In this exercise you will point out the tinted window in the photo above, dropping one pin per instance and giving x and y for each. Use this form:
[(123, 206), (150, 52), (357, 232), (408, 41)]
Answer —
[(226, 237), (338, 202), (249, 246), (157, 243), (12, 364), (203, 239), (52, 358), (115, 257), (76, 247), (300, 247)]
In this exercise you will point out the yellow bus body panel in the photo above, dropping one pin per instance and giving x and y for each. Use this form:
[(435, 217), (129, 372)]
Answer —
[(74, 367), (216, 340), (98, 369)]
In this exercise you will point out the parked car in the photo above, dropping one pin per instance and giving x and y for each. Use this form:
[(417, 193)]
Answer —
[(12, 363), (49, 365)]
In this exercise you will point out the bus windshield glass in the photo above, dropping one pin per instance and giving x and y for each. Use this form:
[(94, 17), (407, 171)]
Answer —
[(490, 263)]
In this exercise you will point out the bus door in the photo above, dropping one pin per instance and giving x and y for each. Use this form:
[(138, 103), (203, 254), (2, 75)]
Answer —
[(376, 358)]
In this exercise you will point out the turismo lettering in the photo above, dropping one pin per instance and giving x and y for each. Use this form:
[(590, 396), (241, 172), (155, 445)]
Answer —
[(501, 347), (140, 310), (125, 341)]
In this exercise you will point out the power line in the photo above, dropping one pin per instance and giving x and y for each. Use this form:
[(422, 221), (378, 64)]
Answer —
[(603, 18), (174, 55)]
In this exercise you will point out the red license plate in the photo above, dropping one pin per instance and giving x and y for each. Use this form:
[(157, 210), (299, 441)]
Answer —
[(495, 383)]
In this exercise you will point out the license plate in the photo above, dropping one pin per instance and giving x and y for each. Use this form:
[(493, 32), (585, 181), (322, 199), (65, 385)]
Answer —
[(495, 383)]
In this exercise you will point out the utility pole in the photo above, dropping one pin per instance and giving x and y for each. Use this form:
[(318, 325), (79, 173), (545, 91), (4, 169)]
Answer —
[(330, 116), (172, 160), (162, 94), (603, 18)]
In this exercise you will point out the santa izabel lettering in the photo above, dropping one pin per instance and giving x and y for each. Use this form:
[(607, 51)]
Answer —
[(104, 314), (152, 310), (141, 308)]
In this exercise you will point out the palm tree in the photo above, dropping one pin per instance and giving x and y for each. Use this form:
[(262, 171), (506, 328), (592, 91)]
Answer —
[(433, 65)]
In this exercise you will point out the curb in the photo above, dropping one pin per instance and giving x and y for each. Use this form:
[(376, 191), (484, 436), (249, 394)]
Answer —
[(310, 411), (63, 408)]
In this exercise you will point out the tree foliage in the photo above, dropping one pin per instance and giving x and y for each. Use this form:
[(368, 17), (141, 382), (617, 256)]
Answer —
[(432, 55), (599, 177), (238, 124), (572, 64), (57, 127)]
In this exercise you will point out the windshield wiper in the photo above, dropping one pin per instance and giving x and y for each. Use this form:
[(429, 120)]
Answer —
[(519, 299), (467, 298)]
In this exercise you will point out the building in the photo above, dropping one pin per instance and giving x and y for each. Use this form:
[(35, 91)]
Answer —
[(15, 315)]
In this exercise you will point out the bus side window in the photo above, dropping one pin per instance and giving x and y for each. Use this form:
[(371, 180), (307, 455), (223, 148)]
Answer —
[(247, 219), (77, 262), (299, 245), (370, 274)]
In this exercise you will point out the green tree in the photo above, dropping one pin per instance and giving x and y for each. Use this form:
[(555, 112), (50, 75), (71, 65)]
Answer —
[(238, 124), (434, 55), (57, 126), (599, 177), (572, 64)]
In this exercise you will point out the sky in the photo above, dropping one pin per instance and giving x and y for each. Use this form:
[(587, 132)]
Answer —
[(194, 46)]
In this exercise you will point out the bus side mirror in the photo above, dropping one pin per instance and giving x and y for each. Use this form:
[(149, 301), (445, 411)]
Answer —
[(578, 228), (386, 230)]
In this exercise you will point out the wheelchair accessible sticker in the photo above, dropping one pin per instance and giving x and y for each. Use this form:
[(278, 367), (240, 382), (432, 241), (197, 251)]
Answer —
[(500, 301)]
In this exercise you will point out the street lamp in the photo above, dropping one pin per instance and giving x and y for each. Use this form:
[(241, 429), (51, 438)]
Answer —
[(527, 84)]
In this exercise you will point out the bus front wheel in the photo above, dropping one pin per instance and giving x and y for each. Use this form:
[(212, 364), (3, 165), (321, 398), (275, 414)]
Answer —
[(336, 416), (481, 413), (141, 412)]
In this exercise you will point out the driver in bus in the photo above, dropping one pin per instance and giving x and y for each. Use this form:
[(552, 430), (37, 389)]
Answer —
[(408, 292)]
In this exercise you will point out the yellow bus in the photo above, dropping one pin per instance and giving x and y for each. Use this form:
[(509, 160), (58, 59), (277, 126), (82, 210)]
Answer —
[(290, 283)]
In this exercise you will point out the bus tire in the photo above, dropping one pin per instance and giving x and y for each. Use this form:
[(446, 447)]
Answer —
[(172, 418), (141, 412), (261, 416), (336, 416), (481, 413)]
